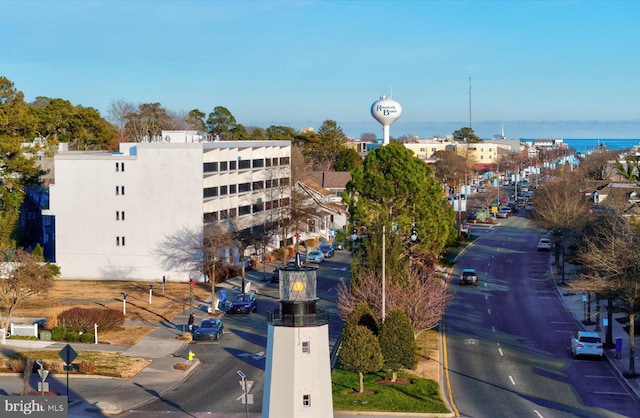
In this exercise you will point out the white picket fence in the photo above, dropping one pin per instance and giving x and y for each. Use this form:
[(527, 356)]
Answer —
[(24, 330)]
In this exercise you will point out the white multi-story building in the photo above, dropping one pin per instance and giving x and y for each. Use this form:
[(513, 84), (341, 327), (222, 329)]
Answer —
[(113, 210)]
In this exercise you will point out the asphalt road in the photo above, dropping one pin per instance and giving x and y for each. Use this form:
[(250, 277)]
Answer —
[(508, 338), (214, 388)]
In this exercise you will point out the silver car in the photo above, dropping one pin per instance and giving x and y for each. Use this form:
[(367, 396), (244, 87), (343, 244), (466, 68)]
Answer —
[(585, 343)]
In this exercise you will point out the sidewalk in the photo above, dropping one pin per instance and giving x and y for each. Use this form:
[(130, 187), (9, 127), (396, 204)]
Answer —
[(574, 303)]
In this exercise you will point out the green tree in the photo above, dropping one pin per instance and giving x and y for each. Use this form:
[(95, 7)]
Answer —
[(221, 123), (196, 120), (362, 315), (360, 352), (397, 190), (347, 159), (398, 343), (281, 133), (466, 134), (257, 134), (630, 169), (322, 149)]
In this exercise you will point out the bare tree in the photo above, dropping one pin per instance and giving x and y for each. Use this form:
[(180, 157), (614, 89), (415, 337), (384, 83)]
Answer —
[(196, 250), (561, 206), (612, 266), (118, 114), (25, 276), (422, 296)]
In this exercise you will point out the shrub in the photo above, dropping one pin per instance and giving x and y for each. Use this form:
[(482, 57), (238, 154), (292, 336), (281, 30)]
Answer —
[(87, 367), (54, 366), (72, 336), (16, 365), (51, 317), (87, 337), (83, 319), (58, 333)]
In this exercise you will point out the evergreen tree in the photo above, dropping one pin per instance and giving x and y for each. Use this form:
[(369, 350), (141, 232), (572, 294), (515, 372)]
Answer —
[(398, 343), (360, 352), (362, 315)]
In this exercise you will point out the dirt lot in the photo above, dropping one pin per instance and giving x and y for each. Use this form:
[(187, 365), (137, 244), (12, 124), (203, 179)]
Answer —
[(67, 294)]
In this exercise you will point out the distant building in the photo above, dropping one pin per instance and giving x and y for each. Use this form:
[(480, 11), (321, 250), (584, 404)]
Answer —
[(113, 210)]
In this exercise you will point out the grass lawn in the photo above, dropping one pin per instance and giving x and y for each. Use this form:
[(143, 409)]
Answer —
[(418, 395)]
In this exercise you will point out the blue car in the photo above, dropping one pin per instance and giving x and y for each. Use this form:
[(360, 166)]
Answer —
[(209, 329), (327, 250), (245, 303)]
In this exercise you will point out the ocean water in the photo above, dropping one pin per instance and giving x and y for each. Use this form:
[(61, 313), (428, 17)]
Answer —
[(584, 145)]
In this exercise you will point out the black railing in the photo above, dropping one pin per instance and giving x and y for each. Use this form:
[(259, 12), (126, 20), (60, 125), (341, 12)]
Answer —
[(299, 320)]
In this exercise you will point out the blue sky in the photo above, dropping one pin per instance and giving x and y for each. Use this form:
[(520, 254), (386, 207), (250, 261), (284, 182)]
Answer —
[(540, 68)]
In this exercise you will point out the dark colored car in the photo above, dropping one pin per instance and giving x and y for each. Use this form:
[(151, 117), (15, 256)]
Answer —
[(245, 303), (337, 245), (327, 250), (209, 329), (469, 276)]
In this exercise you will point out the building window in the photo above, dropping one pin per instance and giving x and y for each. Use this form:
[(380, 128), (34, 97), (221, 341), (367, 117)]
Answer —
[(233, 212), (224, 214), (284, 181), (122, 167), (275, 161), (211, 167), (223, 165), (119, 190), (311, 225), (244, 210), (284, 160), (223, 190), (268, 184), (120, 241), (258, 163), (258, 207), (232, 165), (119, 215), (306, 401), (117, 167), (210, 217), (210, 192), (244, 164), (267, 162), (232, 189), (306, 347), (258, 185), (244, 187)]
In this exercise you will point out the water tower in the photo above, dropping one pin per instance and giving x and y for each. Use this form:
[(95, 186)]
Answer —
[(297, 378), (386, 111)]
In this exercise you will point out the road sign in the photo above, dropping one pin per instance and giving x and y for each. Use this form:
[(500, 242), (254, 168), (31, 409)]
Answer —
[(43, 387), (43, 374), (248, 401), (249, 384), (68, 354)]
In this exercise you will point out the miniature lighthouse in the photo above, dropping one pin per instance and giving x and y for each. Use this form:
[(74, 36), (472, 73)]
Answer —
[(386, 111), (297, 379)]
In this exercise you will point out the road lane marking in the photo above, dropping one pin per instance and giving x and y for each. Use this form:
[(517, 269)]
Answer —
[(538, 413), (500, 351), (513, 382)]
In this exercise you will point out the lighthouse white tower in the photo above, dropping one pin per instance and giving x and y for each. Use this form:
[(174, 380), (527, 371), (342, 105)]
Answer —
[(386, 111), (297, 379)]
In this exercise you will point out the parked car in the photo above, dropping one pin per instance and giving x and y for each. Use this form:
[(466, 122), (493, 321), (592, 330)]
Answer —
[(503, 213), (469, 276), (209, 329), (545, 244), (337, 245), (585, 343), (303, 258), (327, 250), (315, 256), (244, 303)]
